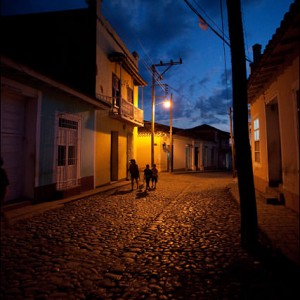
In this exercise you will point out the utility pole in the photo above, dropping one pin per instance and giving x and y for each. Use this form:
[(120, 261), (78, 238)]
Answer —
[(155, 73), (232, 144), (240, 127), (153, 115), (171, 133)]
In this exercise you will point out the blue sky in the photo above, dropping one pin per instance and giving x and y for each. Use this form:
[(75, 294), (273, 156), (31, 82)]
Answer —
[(161, 30)]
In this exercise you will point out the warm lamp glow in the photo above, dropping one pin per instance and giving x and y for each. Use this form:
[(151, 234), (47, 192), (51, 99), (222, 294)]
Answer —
[(167, 104)]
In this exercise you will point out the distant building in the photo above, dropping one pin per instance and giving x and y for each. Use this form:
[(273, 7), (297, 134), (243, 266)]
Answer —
[(69, 103), (196, 149), (273, 95)]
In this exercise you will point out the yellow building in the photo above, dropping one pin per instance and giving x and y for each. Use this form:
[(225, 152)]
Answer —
[(117, 82), (196, 149)]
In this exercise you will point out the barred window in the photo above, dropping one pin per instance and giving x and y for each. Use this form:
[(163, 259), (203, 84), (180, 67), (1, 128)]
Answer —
[(256, 140), (71, 155), (61, 155), (67, 123)]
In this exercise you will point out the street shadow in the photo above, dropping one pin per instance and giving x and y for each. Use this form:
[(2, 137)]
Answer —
[(141, 194), (123, 192)]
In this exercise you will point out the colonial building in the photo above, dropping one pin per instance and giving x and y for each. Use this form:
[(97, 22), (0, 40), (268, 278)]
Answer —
[(69, 103), (200, 148), (273, 95)]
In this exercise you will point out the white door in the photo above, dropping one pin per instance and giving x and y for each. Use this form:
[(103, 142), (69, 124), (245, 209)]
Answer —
[(67, 153), (12, 142)]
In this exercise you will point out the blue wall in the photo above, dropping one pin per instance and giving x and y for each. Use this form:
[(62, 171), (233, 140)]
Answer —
[(57, 102)]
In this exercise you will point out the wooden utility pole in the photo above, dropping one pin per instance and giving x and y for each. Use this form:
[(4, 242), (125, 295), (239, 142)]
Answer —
[(232, 144), (153, 115), (171, 133), (154, 74), (240, 127)]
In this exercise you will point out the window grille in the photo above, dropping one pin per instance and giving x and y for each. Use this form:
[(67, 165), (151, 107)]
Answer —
[(256, 140)]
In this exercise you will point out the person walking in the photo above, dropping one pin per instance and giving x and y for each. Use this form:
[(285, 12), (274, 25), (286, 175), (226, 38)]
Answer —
[(154, 176), (4, 182), (147, 176), (134, 173)]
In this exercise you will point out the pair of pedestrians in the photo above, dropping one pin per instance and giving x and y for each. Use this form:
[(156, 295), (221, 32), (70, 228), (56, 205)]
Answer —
[(149, 175)]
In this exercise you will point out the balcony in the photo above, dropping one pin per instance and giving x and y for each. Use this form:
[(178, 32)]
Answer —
[(123, 110)]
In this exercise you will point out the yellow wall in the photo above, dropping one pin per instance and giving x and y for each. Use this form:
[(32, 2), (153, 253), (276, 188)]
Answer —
[(143, 152), (107, 43), (260, 169), (104, 126)]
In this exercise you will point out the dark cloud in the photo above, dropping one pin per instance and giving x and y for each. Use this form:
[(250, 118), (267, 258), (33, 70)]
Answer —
[(168, 29), (9, 7)]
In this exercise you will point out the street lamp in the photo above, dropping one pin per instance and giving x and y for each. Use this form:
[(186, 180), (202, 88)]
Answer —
[(169, 104), (156, 76)]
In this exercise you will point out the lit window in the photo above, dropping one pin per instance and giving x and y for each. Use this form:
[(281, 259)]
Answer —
[(256, 140)]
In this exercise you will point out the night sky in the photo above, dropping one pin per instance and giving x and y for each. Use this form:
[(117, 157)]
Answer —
[(164, 30)]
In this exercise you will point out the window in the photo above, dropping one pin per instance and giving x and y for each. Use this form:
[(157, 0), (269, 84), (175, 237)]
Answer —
[(71, 155), (67, 123), (61, 155), (116, 90), (129, 95), (256, 140)]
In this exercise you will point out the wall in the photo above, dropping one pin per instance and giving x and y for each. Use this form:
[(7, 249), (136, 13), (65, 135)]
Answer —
[(104, 126), (283, 89), (52, 103)]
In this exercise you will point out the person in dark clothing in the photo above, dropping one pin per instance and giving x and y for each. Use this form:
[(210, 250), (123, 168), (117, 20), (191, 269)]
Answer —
[(147, 176), (134, 173), (3, 188), (154, 176)]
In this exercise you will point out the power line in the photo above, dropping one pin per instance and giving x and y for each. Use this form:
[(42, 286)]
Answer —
[(213, 30), (221, 30), (199, 16), (224, 52)]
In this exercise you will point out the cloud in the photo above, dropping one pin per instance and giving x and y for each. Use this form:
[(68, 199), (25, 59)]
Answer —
[(163, 30), (9, 7)]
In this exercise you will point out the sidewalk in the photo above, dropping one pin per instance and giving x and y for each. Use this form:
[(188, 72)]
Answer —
[(16, 212), (278, 223)]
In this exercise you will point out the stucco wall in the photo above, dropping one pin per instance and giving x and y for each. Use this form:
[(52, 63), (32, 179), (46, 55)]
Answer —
[(104, 126), (53, 103), (282, 91)]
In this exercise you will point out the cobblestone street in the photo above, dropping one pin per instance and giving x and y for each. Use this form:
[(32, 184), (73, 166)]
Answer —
[(180, 241)]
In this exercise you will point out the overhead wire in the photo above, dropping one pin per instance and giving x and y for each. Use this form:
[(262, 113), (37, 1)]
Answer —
[(220, 35), (245, 34), (157, 77), (201, 17), (216, 25), (224, 53)]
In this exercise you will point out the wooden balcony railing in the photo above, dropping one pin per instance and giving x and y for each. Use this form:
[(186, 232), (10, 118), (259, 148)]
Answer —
[(123, 110)]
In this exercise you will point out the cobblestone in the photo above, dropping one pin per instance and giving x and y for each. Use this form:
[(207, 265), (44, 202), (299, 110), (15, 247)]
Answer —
[(180, 241)]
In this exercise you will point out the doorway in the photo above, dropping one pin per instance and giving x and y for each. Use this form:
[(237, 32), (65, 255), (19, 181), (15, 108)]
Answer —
[(114, 162), (273, 144)]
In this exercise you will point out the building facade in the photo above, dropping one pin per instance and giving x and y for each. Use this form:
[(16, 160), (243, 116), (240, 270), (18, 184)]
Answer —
[(273, 94), (70, 103), (196, 149)]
